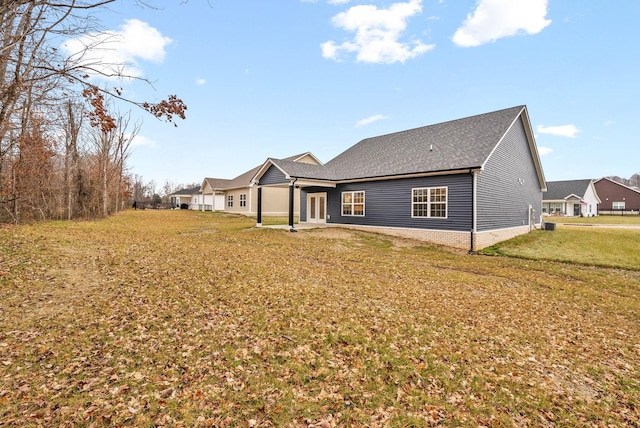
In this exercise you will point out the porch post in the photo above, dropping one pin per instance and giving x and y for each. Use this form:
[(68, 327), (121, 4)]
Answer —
[(259, 211), (291, 188)]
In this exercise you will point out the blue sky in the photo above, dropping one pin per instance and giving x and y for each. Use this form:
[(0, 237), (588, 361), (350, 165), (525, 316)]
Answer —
[(277, 78)]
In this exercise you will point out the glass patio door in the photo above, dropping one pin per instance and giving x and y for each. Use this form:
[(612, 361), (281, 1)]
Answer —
[(316, 207)]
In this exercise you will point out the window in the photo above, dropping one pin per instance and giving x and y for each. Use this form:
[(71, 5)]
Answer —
[(353, 203), (243, 200), (230, 200), (430, 202), (555, 207), (617, 205)]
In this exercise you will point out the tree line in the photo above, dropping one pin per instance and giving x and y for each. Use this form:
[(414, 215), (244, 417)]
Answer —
[(63, 147), (633, 181)]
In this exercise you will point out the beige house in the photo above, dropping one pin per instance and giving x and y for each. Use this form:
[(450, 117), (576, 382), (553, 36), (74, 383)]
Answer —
[(240, 196)]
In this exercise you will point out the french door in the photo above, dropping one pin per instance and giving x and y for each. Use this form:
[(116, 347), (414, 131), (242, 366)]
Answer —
[(316, 207)]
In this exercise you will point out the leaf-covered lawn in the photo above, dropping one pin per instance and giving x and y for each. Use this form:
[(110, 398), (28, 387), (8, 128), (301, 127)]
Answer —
[(180, 318)]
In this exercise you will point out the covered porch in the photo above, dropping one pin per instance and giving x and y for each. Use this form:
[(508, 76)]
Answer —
[(313, 206)]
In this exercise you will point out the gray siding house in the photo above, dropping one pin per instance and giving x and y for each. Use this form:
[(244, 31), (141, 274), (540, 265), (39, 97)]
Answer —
[(466, 183)]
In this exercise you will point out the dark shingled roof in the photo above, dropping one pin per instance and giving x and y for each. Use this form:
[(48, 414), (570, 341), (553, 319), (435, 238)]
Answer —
[(188, 191), (455, 145), (557, 190)]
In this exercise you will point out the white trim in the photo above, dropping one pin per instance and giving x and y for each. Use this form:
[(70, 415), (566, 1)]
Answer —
[(304, 182)]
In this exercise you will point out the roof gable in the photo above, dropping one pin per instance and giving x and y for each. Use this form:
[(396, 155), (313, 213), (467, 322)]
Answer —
[(306, 157), (245, 179), (633, 189), (214, 183)]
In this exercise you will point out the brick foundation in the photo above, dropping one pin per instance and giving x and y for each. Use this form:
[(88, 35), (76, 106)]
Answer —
[(461, 240)]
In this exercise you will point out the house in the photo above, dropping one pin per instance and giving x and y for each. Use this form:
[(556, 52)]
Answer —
[(466, 183), (238, 195), (190, 198), (571, 198), (616, 197)]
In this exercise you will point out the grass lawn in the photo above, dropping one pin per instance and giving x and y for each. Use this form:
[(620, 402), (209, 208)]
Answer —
[(593, 246), (183, 318), (601, 219)]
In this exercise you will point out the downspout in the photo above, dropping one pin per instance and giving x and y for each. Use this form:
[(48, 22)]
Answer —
[(473, 212)]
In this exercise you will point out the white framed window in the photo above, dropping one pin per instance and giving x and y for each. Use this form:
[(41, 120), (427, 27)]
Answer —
[(429, 202), (353, 204), (230, 200), (617, 205), (555, 207), (243, 199)]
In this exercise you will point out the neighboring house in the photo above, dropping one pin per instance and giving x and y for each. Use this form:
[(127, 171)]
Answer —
[(466, 183), (616, 197), (239, 195), (190, 198), (571, 198)]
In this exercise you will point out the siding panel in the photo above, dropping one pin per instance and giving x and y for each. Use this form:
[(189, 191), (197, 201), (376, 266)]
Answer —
[(508, 184), (273, 176), (388, 203)]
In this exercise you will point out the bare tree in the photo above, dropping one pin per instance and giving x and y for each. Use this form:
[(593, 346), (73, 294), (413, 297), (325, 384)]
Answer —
[(72, 115), (125, 134), (111, 150), (34, 76)]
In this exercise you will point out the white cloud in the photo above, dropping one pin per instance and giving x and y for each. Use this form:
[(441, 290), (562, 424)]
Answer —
[(369, 120), (114, 54), (200, 81), (569, 131), (495, 19), (608, 123), (377, 34), (544, 151), (141, 140)]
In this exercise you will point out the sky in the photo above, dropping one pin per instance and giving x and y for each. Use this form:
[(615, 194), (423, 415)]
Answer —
[(282, 77)]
